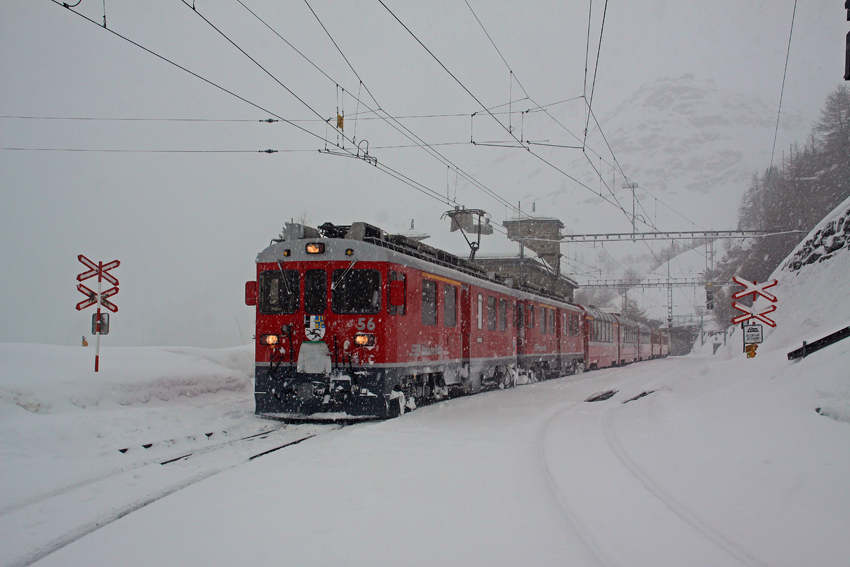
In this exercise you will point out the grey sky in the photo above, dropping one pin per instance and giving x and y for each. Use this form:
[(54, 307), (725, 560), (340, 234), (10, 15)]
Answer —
[(187, 226)]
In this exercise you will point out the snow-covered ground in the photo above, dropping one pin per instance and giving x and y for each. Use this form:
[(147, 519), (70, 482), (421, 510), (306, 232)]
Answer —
[(724, 461)]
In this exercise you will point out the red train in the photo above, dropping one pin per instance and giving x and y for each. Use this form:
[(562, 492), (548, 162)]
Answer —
[(352, 321)]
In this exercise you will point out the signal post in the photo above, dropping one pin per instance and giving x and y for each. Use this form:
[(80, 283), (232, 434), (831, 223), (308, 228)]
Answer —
[(100, 322), (753, 333)]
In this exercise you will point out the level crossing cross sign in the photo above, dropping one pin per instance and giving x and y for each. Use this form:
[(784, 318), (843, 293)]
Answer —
[(754, 288), (758, 313), (753, 313), (98, 297)]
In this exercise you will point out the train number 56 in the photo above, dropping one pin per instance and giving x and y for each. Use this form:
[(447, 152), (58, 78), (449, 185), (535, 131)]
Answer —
[(366, 325)]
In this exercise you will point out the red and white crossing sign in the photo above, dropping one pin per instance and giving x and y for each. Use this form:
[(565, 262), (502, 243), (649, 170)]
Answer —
[(752, 313), (92, 297), (754, 288), (100, 269), (98, 297)]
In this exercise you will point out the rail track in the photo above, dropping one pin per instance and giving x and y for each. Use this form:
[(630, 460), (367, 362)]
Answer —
[(49, 521)]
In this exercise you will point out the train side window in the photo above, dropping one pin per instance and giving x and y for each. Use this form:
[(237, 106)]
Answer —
[(397, 277), (520, 319), (552, 321), (542, 321), (429, 302), (503, 314), (491, 313), (480, 311), (530, 319), (450, 307), (280, 291), (315, 292)]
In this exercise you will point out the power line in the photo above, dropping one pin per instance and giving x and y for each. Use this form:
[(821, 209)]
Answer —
[(521, 144), (596, 67), (182, 68), (615, 202), (385, 169), (589, 115), (130, 151), (405, 131), (782, 91), (440, 63), (102, 119)]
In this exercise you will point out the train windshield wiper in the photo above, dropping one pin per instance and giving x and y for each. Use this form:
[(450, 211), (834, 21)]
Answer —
[(283, 277), (342, 277)]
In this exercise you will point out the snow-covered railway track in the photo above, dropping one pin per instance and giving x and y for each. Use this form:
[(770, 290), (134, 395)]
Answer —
[(131, 464), (48, 522), (677, 506), (623, 514)]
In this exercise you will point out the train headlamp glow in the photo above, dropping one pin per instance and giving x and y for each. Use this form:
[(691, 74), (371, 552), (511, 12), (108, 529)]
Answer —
[(364, 339), (316, 248), (287, 253), (349, 251), (270, 340)]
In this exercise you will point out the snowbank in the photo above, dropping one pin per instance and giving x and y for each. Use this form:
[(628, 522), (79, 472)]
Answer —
[(52, 379)]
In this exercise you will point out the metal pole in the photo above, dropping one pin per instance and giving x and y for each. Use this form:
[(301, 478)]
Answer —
[(97, 324)]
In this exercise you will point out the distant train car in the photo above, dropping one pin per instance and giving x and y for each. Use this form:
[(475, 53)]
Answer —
[(659, 343), (601, 342), (629, 340), (352, 321)]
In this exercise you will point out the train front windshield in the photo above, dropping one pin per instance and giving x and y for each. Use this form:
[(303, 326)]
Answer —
[(279, 292), (356, 291)]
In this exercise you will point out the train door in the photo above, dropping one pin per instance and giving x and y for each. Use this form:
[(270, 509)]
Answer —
[(519, 323), (559, 333), (584, 332), (465, 324), (618, 341)]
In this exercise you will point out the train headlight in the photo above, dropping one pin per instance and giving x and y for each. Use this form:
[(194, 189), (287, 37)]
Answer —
[(349, 251), (270, 340), (316, 248), (364, 339)]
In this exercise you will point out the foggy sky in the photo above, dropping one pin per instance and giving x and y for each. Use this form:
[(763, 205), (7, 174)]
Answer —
[(187, 226)]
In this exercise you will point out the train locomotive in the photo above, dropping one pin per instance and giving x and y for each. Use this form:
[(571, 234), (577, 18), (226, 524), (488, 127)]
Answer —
[(353, 322)]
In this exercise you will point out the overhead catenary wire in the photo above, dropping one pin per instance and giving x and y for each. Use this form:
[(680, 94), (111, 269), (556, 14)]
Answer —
[(616, 165), (105, 119), (418, 186), (521, 144), (615, 202), (359, 115), (196, 75), (131, 151), (385, 169), (404, 130), (596, 67), (782, 92), (362, 85)]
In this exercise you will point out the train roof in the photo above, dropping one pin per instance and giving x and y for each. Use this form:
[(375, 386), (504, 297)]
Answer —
[(407, 246)]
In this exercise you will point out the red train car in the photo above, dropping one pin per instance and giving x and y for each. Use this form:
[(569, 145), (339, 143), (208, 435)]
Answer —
[(352, 321), (601, 343), (660, 343)]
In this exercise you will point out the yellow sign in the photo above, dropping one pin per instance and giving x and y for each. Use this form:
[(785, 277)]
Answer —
[(339, 121), (751, 350)]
